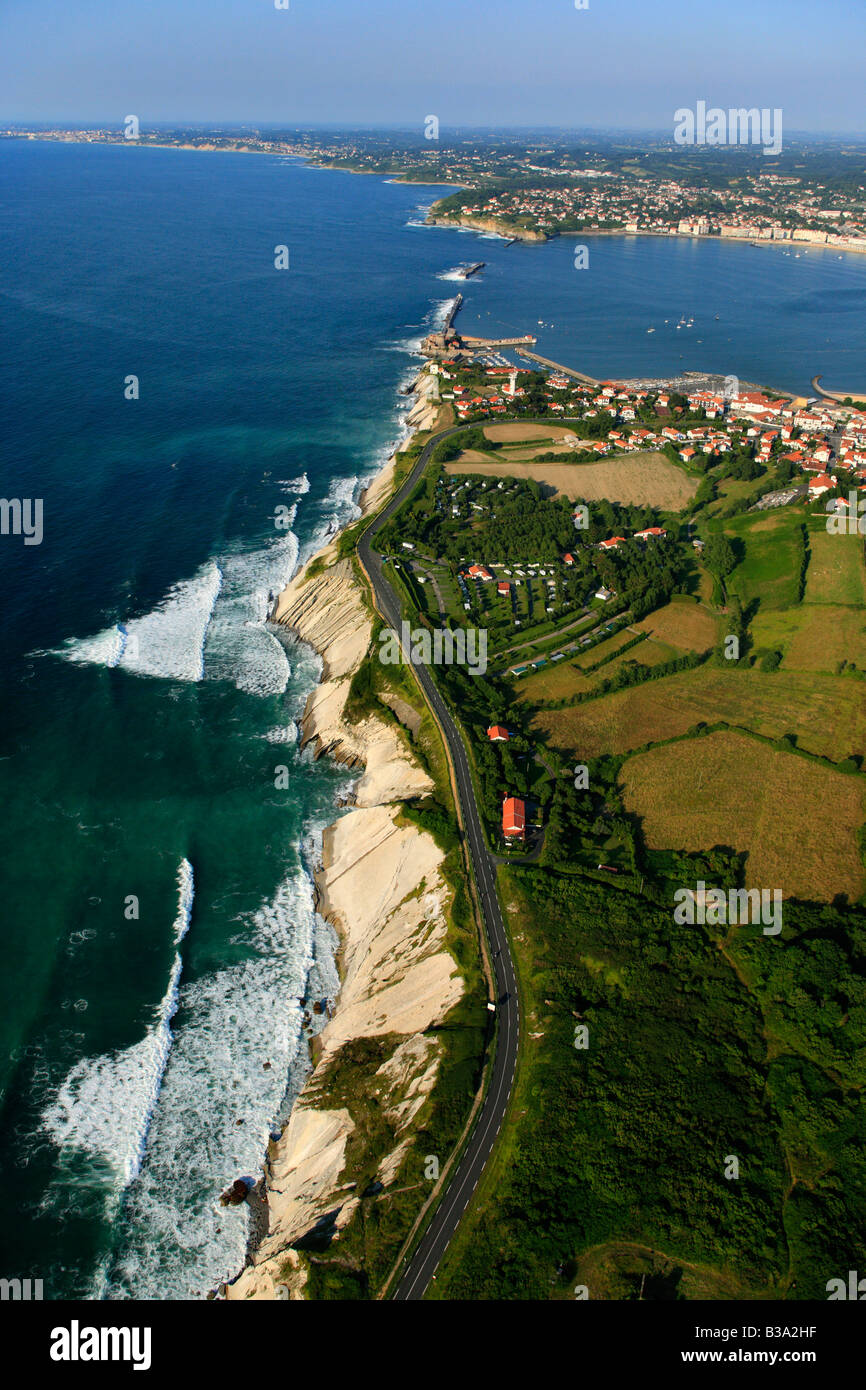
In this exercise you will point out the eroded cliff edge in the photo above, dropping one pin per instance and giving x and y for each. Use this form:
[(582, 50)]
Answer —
[(381, 885)]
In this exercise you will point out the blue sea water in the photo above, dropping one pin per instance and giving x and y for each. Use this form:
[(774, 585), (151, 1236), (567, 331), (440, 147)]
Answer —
[(158, 924)]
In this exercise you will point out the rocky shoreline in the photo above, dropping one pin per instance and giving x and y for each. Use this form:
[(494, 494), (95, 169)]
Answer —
[(487, 224), (381, 886)]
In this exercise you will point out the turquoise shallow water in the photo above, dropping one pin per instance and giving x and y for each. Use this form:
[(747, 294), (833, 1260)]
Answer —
[(149, 1047)]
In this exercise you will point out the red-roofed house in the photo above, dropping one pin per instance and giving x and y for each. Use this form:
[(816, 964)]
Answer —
[(655, 533), (823, 483), (497, 734), (513, 818)]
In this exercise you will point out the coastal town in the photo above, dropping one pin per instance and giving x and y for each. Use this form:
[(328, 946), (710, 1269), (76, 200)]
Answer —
[(701, 418), (772, 209), (532, 189), (574, 602)]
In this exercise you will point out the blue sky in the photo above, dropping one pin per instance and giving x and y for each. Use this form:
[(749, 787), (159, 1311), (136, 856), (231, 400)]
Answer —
[(625, 63)]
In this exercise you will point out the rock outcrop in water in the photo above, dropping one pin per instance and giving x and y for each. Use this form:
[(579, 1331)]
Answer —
[(235, 1195)]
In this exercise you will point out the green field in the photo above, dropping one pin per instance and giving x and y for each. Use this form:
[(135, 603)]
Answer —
[(836, 572), (731, 490), (609, 1173), (826, 713), (682, 623), (772, 545), (827, 631), (729, 789)]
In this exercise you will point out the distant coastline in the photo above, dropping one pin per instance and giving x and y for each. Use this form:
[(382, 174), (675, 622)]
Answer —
[(483, 225)]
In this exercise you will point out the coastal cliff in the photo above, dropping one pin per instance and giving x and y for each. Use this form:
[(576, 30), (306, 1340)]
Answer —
[(381, 885), (488, 224)]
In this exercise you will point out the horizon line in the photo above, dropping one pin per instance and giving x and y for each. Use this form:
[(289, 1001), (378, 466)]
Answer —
[(399, 127)]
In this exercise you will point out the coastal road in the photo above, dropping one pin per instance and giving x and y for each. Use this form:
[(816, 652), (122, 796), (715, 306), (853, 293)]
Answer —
[(454, 1200)]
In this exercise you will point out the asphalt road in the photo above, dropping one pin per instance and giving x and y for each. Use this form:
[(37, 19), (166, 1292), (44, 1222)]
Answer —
[(454, 1200)]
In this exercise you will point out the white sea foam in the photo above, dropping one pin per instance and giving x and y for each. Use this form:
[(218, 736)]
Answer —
[(210, 627), (404, 345), (287, 733), (440, 311), (167, 642), (337, 509), (105, 1106), (296, 486), (176, 1240), (433, 319), (105, 649), (436, 226), (240, 646)]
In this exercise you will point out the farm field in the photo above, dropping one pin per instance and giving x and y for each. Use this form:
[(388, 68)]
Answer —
[(567, 679), (836, 572), (606, 648), (520, 453), (770, 569), (557, 682), (516, 432), (647, 480), (472, 456), (646, 653), (827, 713), (686, 625), (825, 637), (728, 789), (829, 627)]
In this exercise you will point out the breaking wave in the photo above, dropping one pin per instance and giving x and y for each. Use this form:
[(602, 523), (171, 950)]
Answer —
[(236, 1069), (168, 642), (211, 627), (106, 1104)]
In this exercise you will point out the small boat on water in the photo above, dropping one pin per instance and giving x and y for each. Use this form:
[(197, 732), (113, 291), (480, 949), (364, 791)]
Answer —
[(650, 330)]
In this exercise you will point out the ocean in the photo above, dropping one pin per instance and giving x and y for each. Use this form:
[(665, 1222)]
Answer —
[(158, 921)]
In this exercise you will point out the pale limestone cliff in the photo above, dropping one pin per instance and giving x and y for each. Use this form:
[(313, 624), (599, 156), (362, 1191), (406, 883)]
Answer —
[(327, 611), (381, 885)]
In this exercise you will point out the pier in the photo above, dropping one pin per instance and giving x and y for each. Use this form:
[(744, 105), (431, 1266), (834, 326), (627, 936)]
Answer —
[(451, 315), (837, 396), (481, 343), (557, 366)]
